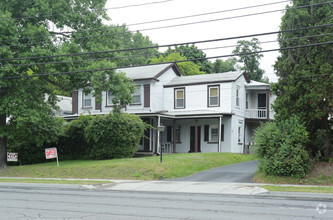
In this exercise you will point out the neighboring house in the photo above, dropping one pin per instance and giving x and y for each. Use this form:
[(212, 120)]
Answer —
[(201, 113)]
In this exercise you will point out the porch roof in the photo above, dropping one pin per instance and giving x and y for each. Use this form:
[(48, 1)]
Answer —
[(253, 85)]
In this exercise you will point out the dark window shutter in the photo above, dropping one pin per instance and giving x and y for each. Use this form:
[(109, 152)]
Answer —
[(98, 106), (206, 135), (146, 92), (169, 131), (222, 132), (75, 102)]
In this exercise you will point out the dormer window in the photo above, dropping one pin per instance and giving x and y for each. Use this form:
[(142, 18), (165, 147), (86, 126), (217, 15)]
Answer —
[(213, 96), (180, 98), (86, 100)]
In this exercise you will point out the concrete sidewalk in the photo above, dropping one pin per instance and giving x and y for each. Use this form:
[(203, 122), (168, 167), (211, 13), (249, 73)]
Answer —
[(181, 187)]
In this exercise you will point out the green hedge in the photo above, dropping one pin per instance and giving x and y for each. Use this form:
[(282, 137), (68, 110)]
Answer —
[(114, 136), (281, 148)]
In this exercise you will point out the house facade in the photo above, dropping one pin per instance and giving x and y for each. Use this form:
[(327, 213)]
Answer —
[(201, 113)]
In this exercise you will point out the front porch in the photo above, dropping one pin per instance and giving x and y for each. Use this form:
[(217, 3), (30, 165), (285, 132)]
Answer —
[(188, 134)]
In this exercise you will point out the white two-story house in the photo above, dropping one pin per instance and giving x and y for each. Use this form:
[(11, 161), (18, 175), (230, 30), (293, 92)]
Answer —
[(201, 113)]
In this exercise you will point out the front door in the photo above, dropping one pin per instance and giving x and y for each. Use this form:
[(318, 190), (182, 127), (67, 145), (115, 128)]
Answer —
[(262, 105), (192, 139)]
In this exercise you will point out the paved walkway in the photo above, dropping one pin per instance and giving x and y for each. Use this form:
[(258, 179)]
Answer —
[(236, 173), (181, 187)]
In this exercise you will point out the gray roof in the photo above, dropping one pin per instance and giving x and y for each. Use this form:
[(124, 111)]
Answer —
[(205, 78), (145, 72)]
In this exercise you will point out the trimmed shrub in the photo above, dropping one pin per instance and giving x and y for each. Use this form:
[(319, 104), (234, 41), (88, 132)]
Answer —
[(114, 136), (281, 148), (73, 145)]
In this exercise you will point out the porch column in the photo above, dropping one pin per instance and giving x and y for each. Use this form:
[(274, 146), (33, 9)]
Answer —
[(267, 102), (196, 149), (174, 136), (158, 134), (220, 137)]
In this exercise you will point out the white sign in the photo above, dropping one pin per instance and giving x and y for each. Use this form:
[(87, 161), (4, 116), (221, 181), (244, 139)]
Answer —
[(51, 153), (12, 157)]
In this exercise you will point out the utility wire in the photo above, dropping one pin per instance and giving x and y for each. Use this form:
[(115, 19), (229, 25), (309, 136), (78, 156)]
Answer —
[(180, 61), (120, 7), (164, 27), (182, 17), (156, 54), (171, 45)]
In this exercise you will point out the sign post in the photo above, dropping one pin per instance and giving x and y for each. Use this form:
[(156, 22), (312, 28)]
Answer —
[(51, 153), (12, 157)]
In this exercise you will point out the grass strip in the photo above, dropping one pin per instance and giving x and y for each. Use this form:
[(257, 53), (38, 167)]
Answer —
[(51, 181), (145, 168), (307, 189), (260, 177)]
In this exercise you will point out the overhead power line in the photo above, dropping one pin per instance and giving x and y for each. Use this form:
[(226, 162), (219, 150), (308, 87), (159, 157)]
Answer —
[(182, 17), (171, 45), (180, 61), (160, 27), (156, 54), (113, 8)]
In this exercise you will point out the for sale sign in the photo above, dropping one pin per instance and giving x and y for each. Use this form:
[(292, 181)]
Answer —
[(12, 157), (51, 153)]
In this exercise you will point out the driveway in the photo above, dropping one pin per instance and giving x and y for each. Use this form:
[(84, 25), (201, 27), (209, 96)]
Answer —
[(236, 173)]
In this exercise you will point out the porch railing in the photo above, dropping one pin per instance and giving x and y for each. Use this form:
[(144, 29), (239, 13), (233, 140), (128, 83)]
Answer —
[(256, 113)]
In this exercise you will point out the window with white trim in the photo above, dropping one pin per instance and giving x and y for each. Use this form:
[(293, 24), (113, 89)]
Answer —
[(87, 102), (109, 98), (237, 96), (180, 98), (214, 134), (137, 96), (247, 101), (213, 96)]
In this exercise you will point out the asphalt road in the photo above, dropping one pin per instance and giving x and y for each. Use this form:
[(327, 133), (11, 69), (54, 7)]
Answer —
[(37, 201), (237, 173)]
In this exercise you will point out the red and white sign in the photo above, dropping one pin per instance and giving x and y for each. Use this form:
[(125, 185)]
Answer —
[(12, 157), (51, 153)]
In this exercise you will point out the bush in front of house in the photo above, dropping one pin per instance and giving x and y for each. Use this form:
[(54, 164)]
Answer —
[(281, 148), (73, 145), (114, 136)]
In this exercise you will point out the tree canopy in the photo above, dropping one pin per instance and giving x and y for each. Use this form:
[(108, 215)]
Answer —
[(187, 68), (249, 56), (30, 49), (305, 86)]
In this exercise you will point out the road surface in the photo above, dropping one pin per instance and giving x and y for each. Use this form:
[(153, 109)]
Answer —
[(38, 201)]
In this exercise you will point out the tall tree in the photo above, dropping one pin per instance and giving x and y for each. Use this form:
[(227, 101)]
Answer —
[(191, 52), (221, 66), (305, 85), (187, 68), (249, 56), (25, 32)]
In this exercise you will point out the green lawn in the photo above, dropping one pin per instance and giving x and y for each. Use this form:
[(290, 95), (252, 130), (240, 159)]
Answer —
[(309, 189), (319, 180), (145, 168)]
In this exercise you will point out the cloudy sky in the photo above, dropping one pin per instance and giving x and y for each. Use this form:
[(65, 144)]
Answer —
[(213, 25)]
